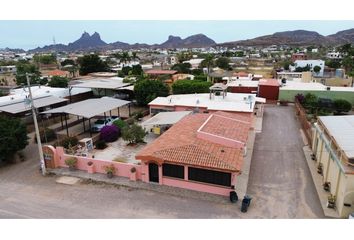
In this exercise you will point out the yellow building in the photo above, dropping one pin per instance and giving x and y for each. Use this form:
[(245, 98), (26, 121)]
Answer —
[(333, 148)]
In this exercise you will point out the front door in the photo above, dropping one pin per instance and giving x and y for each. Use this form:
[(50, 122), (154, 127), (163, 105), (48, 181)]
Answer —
[(153, 172)]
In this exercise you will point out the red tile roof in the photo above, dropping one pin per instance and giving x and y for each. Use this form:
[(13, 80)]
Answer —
[(241, 74), (161, 72), (181, 144), (58, 73)]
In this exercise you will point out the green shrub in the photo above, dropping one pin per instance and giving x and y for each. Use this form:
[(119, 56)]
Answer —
[(46, 135), (130, 121), (147, 90), (341, 105), (71, 162), (120, 123), (68, 142), (138, 115), (101, 144), (133, 133), (190, 87), (59, 82)]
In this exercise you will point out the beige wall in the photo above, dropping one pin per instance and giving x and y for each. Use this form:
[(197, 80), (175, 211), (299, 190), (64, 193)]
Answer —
[(335, 82), (306, 76), (342, 185)]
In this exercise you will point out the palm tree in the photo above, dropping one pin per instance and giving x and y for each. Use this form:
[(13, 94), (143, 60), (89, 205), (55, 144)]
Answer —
[(134, 56), (209, 60), (124, 57)]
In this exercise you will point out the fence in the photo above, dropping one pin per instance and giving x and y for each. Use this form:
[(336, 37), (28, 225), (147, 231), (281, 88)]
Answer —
[(98, 165), (305, 124)]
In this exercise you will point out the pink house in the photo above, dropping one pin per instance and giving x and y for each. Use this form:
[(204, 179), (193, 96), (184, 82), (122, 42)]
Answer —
[(202, 152)]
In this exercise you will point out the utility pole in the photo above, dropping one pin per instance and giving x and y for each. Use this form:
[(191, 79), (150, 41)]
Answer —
[(39, 143)]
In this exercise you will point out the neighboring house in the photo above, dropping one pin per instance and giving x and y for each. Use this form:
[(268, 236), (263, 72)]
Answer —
[(202, 152), (195, 62), (295, 76), (311, 64), (172, 60), (288, 91), (208, 102), (58, 73), (334, 55), (298, 56), (165, 75), (334, 151), (8, 69)]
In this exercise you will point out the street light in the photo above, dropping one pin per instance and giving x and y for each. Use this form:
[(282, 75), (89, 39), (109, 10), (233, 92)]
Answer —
[(39, 143)]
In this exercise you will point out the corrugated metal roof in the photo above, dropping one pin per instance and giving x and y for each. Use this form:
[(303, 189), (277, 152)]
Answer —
[(90, 107), (20, 107), (342, 130), (166, 118), (102, 83)]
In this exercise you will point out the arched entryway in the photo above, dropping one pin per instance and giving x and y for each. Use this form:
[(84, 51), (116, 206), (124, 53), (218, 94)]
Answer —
[(153, 172)]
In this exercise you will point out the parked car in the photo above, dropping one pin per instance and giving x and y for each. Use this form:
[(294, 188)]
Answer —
[(100, 123)]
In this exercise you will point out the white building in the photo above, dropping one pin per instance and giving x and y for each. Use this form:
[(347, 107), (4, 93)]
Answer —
[(7, 69), (195, 62), (334, 55), (311, 64)]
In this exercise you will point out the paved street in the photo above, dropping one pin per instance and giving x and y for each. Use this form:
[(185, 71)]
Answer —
[(280, 181), (280, 185)]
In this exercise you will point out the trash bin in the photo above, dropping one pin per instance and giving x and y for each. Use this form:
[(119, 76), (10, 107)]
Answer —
[(233, 197), (246, 201)]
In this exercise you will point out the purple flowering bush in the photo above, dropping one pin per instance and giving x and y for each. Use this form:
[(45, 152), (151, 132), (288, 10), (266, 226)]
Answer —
[(110, 133)]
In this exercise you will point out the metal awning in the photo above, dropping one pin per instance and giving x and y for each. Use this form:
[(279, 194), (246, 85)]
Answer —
[(166, 118), (90, 107), (102, 83), (20, 107)]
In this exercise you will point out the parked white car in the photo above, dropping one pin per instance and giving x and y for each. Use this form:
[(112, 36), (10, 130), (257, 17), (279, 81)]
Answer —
[(100, 123)]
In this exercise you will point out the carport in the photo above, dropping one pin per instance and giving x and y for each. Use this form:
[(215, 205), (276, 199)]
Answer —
[(88, 109), (104, 84), (22, 106), (165, 119)]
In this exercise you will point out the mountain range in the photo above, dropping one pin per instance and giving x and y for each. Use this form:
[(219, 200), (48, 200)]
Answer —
[(89, 42), (296, 38), (94, 42)]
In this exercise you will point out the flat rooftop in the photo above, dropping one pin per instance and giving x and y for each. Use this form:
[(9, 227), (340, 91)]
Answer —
[(233, 102), (243, 83), (342, 130), (269, 82), (290, 85), (101, 83), (166, 118)]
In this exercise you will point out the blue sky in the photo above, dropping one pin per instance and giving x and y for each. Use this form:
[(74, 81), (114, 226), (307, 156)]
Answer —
[(30, 34)]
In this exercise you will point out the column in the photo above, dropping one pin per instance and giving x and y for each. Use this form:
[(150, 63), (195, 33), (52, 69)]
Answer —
[(160, 174), (186, 173)]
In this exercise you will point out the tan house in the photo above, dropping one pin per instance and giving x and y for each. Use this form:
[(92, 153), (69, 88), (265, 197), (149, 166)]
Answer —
[(333, 148)]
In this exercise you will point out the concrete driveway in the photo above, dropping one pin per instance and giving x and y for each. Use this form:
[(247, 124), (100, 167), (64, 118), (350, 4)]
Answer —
[(280, 181), (280, 185)]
